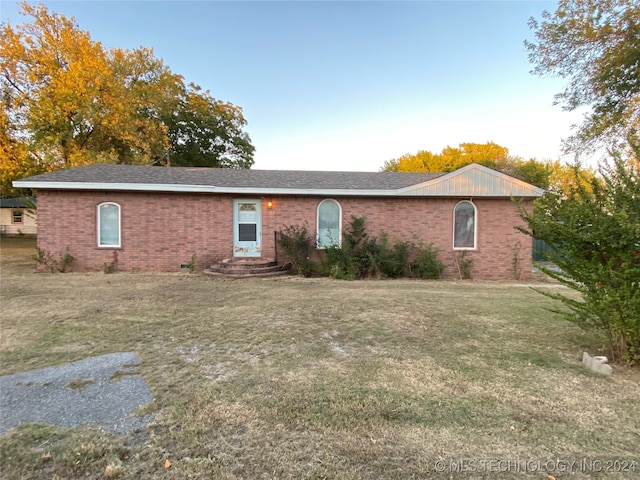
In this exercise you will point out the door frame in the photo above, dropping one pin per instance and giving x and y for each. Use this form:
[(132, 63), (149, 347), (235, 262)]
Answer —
[(244, 248)]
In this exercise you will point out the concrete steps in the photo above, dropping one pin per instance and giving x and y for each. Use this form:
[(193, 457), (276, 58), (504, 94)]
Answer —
[(246, 268)]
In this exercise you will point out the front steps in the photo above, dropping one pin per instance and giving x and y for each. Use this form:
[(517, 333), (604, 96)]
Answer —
[(246, 268)]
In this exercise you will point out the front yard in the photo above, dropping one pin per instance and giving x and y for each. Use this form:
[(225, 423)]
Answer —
[(316, 378)]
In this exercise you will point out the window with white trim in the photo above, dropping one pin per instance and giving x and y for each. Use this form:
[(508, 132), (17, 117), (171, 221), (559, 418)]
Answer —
[(17, 216), (108, 225), (464, 226), (329, 223)]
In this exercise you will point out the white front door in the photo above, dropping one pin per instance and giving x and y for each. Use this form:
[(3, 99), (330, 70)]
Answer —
[(247, 226)]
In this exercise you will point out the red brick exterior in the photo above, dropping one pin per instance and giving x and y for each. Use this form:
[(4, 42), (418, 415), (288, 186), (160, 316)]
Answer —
[(161, 231)]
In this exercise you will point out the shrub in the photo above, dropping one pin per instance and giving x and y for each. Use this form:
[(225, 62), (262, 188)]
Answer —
[(362, 256), (46, 259), (297, 243), (426, 263), (593, 234), (337, 263), (112, 266), (393, 259), (108, 267), (191, 264), (357, 257), (464, 264)]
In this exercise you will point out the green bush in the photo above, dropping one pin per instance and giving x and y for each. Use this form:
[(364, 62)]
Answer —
[(426, 263), (362, 256), (393, 259), (297, 243), (593, 233), (337, 263), (356, 257)]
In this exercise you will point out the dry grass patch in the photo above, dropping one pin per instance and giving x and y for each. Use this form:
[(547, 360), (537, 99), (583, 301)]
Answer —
[(313, 378)]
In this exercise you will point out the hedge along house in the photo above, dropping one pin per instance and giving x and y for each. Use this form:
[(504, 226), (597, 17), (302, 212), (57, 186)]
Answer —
[(141, 218)]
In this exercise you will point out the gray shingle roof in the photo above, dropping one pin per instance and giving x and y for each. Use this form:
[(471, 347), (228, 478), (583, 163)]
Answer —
[(474, 180), (268, 179), (18, 202)]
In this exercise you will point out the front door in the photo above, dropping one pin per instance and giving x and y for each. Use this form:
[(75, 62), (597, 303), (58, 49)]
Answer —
[(247, 228)]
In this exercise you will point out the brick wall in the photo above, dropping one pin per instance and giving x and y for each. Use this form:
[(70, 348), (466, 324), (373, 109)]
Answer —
[(160, 231)]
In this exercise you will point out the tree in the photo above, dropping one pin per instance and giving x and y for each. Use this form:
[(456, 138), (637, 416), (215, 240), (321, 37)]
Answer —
[(14, 159), (552, 175), (423, 161), (595, 44), (68, 101), (489, 154), (594, 237), (205, 132), (531, 171), (562, 177), (450, 159)]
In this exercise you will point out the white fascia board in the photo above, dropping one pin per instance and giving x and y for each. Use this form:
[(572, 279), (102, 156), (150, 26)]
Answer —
[(155, 187)]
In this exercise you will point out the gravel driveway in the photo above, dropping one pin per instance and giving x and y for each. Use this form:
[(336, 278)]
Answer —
[(77, 393)]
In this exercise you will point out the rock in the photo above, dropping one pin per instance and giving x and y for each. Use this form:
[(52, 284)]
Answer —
[(597, 364)]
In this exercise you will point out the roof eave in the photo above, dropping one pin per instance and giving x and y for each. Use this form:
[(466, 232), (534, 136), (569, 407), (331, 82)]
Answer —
[(178, 188)]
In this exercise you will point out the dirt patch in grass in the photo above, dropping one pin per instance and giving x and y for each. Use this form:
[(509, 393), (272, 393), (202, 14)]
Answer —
[(79, 384), (314, 378)]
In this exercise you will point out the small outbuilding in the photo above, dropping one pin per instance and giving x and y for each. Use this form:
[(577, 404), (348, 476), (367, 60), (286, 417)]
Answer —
[(18, 216)]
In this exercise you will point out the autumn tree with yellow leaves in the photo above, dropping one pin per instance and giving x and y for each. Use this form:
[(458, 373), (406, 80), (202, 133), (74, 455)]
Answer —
[(67, 101), (553, 175), (451, 158)]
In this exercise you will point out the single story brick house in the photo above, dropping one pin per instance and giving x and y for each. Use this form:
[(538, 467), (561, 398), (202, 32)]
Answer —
[(155, 218)]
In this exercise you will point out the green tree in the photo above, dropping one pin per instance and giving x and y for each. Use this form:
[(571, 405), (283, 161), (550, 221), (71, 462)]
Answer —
[(205, 132), (68, 101), (531, 171), (595, 44), (594, 236)]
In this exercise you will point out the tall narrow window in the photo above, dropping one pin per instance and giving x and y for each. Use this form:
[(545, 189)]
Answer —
[(16, 216), (108, 225), (464, 226), (329, 223)]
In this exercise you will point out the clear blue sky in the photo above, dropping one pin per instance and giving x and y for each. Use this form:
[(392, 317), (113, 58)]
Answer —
[(348, 85)]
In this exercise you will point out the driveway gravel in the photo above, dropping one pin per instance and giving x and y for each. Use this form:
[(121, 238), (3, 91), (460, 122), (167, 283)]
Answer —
[(77, 393)]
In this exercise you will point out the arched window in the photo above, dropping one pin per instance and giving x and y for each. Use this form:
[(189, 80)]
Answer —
[(329, 226), (464, 226), (108, 225)]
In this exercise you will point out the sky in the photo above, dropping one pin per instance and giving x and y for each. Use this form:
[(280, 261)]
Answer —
[(333, 85)]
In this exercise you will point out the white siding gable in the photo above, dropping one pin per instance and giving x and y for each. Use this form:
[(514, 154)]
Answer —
[(473, 181)]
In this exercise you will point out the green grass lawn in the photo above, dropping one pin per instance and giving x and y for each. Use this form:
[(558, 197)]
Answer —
[(316, 378)]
